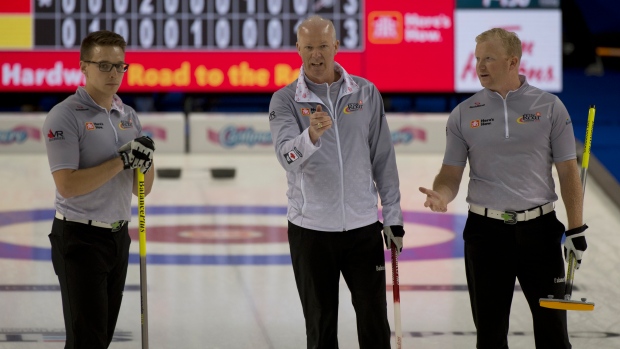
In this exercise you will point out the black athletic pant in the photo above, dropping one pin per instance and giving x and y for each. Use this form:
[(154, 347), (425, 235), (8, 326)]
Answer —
[(318, 259), (91, 264), (495, 255)]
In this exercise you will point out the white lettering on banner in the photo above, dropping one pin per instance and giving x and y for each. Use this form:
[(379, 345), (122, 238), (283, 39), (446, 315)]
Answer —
[(15, 75), (414, 35), (440, 21), (533, 74), (537, 74), (425, 28)]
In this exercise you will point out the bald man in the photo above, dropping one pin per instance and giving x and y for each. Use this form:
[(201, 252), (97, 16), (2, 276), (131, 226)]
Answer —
[(332, 139)]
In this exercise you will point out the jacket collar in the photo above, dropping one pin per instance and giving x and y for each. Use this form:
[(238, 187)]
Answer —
[(303, 93), (117, 103), (512, 93)]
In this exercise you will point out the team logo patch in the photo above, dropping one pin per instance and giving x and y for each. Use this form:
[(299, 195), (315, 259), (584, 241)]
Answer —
[(352, 107), (476, 105), (292, 155), (480, 122), (90, 126), (272, 115), (528, 118), (55, 135), (125, 124), (307, 111)]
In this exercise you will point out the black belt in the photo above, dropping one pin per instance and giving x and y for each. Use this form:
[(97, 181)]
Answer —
[(116, 226)]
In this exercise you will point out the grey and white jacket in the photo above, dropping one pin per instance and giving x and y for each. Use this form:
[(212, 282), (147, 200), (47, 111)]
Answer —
[(333, 185)]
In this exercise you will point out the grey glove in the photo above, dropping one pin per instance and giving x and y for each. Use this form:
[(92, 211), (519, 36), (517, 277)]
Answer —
[(138, 154), (394, 233), (575, 242)]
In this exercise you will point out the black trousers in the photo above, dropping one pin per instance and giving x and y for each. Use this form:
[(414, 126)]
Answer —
[(495, 255), (91, 264), (318, 259)]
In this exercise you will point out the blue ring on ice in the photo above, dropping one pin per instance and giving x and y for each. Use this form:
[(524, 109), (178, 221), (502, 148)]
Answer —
[(452, 248)]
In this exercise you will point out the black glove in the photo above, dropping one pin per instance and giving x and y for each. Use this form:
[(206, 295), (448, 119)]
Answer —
[(138, 154), (394, 233), (129, 161), (575, 242)]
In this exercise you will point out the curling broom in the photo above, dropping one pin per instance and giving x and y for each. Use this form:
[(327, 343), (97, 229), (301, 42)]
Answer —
[(567, 303), (143, 288), (396, 292)]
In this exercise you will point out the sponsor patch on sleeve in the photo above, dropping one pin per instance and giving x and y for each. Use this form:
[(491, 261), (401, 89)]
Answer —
[(292, 155), (55, 135)]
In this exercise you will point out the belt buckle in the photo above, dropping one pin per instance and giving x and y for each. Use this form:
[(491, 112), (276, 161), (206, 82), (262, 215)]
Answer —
[(118, 225), (510, 217)]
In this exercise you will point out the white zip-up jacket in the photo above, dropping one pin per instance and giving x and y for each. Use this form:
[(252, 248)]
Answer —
[(333, 185)]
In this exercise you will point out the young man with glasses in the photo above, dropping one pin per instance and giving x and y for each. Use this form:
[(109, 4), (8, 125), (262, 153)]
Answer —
[(94, 143)]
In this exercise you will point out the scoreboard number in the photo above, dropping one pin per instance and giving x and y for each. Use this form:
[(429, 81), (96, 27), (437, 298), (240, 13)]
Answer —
[(216, 25)]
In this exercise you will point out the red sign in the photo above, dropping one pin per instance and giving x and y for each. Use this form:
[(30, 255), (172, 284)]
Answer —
[(401, 46)]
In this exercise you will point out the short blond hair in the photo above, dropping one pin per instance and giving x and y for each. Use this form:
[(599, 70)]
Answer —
[(510, 41)]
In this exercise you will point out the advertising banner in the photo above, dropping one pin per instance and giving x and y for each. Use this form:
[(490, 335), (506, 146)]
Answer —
[(21, 133), (222, 133), (540, 32), (418, 133), (226, 46), (250, 46), (250, 133), (167, 131)]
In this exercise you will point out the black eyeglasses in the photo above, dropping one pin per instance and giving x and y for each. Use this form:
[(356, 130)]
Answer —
[(106, 67)]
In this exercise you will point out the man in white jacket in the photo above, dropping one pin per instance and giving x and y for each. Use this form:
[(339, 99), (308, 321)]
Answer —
[(332, 138)]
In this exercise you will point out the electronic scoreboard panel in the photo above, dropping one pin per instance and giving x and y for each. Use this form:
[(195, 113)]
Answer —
[(227, 45), (193, 25)]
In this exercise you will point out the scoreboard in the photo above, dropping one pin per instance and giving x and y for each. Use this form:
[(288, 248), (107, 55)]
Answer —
[(195, 25), (249, 45)]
